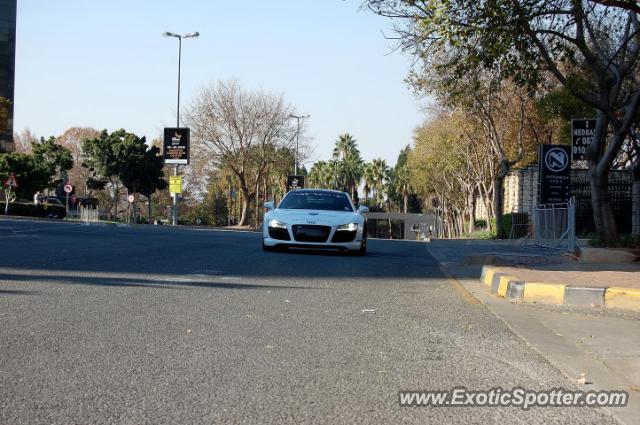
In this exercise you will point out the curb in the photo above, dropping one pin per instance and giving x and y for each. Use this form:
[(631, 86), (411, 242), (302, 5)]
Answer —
[(514, 289)]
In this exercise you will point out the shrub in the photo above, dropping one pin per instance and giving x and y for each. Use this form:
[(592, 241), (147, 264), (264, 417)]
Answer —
[(25, 209)]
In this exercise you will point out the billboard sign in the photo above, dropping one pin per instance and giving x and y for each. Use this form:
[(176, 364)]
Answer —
[(176, 146), (295, 182)]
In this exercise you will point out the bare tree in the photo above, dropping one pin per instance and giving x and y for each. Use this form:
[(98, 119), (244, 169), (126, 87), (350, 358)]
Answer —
[(242, 131), (72, 139), (24, 141)]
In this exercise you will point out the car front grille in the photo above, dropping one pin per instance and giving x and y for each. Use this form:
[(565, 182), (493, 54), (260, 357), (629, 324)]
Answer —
[(344, 236), (280, 234), (310, 233)]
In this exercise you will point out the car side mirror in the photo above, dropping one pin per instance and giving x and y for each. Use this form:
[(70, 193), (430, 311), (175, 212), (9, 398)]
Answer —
[(268, 206), (363, 209)]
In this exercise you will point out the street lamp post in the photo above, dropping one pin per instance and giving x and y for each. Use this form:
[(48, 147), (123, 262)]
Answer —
[(174, 207), (298, 118)]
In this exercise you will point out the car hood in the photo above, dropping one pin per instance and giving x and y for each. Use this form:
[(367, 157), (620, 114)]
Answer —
[(329, 218)]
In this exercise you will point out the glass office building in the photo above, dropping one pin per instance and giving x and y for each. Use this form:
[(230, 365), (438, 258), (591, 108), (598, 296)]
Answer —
[(7, 65)]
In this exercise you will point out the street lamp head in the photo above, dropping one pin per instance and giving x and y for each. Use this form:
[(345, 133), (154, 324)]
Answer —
[(191, 34), (170, 34)]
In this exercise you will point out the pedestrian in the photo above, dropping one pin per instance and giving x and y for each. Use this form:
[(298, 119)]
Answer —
[(430, 233), (37, 198)]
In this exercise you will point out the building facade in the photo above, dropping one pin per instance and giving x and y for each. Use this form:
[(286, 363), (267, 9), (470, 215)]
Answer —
[(7, 67)]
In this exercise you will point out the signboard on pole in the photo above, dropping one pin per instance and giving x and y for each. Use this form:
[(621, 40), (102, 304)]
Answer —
[(11, 181), (175, 184), (295, 182), (554, 173), (582, 131), (176, 145), (68, 188)]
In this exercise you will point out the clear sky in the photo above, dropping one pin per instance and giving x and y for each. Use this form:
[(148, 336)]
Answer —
[(104, 64)]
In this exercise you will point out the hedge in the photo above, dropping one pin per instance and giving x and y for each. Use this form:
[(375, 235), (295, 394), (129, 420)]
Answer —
[(31, 210)]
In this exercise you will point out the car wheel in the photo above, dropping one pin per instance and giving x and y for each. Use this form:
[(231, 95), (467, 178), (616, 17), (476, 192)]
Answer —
[(363, 246)]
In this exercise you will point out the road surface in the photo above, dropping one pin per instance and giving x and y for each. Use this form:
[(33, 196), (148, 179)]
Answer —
[(156, 325)]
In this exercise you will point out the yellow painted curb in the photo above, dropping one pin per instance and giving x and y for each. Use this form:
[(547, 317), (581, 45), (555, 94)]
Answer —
[(548, 293), (504, 283), (616, 296), (488, 277)]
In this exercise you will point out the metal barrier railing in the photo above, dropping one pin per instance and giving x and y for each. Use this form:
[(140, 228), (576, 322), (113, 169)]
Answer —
[(89, 214), (554, 226)]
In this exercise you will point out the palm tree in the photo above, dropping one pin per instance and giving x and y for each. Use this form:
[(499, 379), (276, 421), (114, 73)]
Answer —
[(380, 177), (349, 164), (321, 174), (345, 145), (368, 176)]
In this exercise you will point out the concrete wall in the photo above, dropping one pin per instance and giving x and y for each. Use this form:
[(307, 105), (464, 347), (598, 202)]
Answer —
[(409, 221)]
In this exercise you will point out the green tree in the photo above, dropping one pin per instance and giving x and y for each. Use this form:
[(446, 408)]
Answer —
[(31, 177), (400, 185), (42, 169), (115, 160), (54, 158), (380, 176), (349, 164), (146, 176), (368, 179), (597, 43), (320, 175)]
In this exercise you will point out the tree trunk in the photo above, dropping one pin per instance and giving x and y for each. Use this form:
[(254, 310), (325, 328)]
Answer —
[(635, 199), (405, 203), (246, 201), (149, 209), (498, 197), (606, 228), (485, 194), (599, 167), (472, 212)]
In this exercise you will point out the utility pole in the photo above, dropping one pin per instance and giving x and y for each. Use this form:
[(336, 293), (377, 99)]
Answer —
[(298, 118), (174, 206)]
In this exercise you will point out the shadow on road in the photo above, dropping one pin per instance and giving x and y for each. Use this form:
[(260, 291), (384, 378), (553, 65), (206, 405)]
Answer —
[(80, 253)]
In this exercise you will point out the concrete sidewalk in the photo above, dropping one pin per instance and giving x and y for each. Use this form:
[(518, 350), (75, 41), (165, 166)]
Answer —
[(583, 284), (596, 347)]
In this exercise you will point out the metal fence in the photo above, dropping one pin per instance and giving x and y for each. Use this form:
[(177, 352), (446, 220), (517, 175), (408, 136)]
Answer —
[(89, 214), (554, 226), (619, 196)]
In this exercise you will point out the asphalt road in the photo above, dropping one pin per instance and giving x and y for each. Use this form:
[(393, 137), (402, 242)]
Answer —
[(152, 325)]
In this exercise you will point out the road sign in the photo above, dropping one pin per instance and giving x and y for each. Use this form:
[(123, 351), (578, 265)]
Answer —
[(175, 184), (11, 181), (554, 173), (68, 188), (176, 145), (131, 198), (295, 182), (582, 131)]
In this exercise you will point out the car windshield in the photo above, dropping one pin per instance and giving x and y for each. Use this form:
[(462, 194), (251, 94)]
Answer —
[(299, 200)]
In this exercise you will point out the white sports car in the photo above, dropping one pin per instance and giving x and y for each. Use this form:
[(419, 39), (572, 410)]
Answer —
[(316, 219)]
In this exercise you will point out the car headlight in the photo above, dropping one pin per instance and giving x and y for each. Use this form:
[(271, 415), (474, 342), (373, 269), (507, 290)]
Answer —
[(351, 227), (277, 224)]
